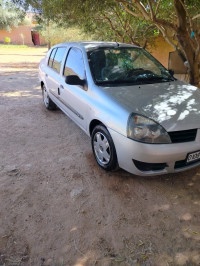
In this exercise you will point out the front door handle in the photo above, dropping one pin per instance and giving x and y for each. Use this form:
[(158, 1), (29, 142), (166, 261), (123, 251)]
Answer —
[(60, 88), (46, 75)]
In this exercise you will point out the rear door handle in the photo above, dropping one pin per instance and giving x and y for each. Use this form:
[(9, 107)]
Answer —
[(46, 75)]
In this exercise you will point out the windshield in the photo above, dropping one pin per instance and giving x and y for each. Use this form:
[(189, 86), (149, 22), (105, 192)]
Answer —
[(126, 66)]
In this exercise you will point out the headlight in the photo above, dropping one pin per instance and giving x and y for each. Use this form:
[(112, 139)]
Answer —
[(143, 129)]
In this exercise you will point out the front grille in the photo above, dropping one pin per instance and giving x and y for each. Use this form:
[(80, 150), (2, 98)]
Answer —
[(183, 136), (183, 163), (149, 166), (180, 164)]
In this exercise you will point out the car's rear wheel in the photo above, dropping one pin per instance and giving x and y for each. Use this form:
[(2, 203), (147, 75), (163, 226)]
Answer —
[(104, 148), (49, 104)]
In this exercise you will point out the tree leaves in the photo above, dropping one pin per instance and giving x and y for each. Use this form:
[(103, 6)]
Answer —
[(10, 15)]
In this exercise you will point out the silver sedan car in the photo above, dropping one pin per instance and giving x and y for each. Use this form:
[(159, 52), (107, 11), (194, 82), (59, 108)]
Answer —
[(139, 117)]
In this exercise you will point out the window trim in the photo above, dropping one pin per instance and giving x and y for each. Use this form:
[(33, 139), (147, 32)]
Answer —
[(56, 48), (61, 60), (67, 57), (55, 70)]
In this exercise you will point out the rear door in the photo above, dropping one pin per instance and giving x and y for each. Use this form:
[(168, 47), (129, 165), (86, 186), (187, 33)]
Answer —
[(52, 77)]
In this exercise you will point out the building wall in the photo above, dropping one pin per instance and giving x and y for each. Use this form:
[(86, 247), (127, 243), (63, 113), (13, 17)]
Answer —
[(14, 34), (161, 51)]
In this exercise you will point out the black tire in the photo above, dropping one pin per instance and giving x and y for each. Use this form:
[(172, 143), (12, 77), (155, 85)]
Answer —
[(104, 148), (49, 104)]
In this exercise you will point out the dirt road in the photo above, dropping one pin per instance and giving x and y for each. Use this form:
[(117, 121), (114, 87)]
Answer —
[(57, 207)]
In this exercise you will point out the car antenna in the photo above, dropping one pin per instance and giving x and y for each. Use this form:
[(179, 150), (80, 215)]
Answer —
[(117, 44)]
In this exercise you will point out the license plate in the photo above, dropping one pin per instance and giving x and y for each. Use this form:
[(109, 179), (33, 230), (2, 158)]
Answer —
[(193, 156)]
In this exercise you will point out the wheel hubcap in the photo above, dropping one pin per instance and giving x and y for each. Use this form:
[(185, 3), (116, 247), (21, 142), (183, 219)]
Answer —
[(45, 97), (101, 148)]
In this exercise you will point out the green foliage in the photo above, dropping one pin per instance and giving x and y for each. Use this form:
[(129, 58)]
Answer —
[(54, 34), (26, 21), (10, 15), (105, 20)]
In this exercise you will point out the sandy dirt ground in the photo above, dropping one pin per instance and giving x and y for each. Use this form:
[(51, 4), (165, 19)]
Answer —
[(57, 207)]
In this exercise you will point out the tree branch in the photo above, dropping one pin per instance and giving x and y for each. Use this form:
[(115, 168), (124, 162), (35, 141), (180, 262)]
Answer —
[(165, 23), (157, 6), (195, 17), (141, 8), (135, 33), (191, 27), (137, 15), (142, 13), (151, 10), (112, 26), (118, 17), (182, 30), (166, 36), (126, 30)]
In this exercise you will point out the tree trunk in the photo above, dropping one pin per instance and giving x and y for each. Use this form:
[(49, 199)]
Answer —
[(48, 33), (194, 74), (188, 46), (193, 64), (49, 45)]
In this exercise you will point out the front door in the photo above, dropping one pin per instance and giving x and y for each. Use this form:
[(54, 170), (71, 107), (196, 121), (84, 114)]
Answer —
[(74, 97)]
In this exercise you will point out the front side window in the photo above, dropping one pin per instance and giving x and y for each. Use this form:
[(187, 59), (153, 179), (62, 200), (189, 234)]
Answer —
[(123, 65), (74, 64), (52, 57), (58, 58)]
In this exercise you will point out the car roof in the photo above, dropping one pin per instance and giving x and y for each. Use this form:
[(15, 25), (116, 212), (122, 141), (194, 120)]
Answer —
[(91, 45)]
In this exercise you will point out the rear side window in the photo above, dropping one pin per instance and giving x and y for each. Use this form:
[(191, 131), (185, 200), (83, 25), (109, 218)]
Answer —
[(58, 58), (74, 64), (52, 57)]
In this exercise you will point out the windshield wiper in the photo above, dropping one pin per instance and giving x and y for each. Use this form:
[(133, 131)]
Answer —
[(154, 78), (134, 81), (117, 81)]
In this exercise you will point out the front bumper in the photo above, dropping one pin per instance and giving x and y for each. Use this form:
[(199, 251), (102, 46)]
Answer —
[(173, 155)]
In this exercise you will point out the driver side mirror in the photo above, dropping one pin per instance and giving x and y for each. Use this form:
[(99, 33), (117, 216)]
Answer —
[(74, 80)]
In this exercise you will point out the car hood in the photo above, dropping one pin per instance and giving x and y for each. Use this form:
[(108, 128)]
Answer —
[(174, 105)]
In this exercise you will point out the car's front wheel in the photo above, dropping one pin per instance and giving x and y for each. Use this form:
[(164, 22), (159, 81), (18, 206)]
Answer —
[(49, 104), (103, 148)]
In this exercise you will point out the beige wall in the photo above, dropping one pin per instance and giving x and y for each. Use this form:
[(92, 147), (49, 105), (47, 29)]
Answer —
[(161, 51), (14, 34)]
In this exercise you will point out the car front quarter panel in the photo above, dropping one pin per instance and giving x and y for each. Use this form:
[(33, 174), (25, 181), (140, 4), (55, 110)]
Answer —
[(107, 111)]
